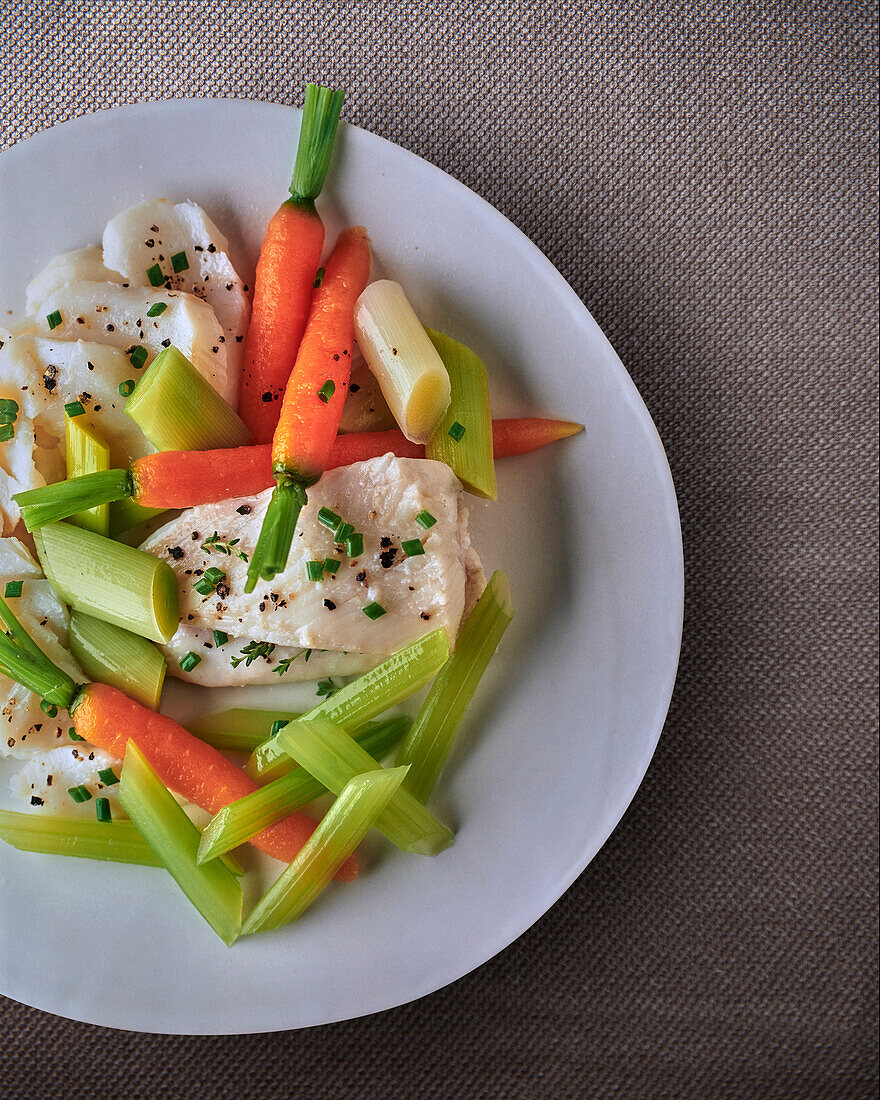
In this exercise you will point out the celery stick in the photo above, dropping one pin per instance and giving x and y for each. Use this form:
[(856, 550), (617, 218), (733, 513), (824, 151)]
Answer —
[(178, 410), (433, 732), (247, 816), (213, 889), (342, 828), (326, 751), (116, 583), (87, 453), (118, 841), (398, 677), (463, 439), (115, 656), (239, 729)]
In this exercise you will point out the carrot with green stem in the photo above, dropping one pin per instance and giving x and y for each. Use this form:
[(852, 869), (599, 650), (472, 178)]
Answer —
[(313, 401), (185, 479), (287, 270), (106, 717)]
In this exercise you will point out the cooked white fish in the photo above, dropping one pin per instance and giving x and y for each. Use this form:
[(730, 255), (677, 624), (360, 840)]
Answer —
[(107, 313), (44, 781), (365, 408), (380, 498), (80, 265), (150, 234), (42, 375)]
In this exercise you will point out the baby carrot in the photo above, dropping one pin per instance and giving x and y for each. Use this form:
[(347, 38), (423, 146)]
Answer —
[(287, 269)]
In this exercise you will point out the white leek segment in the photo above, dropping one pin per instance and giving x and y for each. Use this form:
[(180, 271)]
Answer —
[(398, 351), (117, 657), (87, 453)]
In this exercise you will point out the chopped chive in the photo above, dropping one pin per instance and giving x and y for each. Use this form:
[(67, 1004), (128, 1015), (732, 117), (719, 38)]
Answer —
[(126, 388), (354, 545), (138, 357), (179, 262), (277, 725), (343, 532), (203, 587), (327, 390), (108, 777), (73, 735), (328, 518), (8, 405), (220, 638), (102, 809), (13, 588), (456, 430), (373, 610), (7, 432), (74, 408), (157, 309), (53, 320), (214, 575), (7, 416), (48, 708), (319, 277), (209, 581), (189, 662), (154, 274), (412, 547), (331, 565), (314, 570), (425, 519), (80, 793)]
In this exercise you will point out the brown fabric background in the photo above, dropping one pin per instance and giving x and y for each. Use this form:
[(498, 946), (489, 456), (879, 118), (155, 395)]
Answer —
[(705, 177)]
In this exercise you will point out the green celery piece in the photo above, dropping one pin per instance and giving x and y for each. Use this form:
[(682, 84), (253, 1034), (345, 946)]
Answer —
[(213, 889), (244, 818), (118, 841), (432, 735), (239, 729), (470, 457), (325, 750), (398, 677), (360, 803), (114, 656)]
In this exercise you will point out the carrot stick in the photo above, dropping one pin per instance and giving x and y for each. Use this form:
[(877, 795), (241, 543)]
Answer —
[(106, 718), (286, 270), (183, 479), (313, 400)]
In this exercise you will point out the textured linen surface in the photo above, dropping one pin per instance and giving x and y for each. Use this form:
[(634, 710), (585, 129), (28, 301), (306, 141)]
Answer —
[(705, 178)]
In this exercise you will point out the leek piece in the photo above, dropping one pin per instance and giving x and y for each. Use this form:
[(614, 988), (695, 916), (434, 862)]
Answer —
[(432, 735), (397, 349), (22, 660), (359, 805), (125, 514), (178, 410), (87, 453), (118, 841), (66, 499), (238, 729), (213, 889), (111, 655), (470, 456), (384, 686), (116, 583), (326, 751), (247, 816)]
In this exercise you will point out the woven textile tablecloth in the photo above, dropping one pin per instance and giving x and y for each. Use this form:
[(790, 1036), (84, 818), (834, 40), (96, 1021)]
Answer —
[(705, 178)]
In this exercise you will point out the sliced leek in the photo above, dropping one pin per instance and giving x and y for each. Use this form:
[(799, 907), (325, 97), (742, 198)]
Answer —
[(238, 729), (359, 805), (244, 818), (463, 439), (118, 841), (125, 514), (87, 453), (433, 732), (411, 374), (113, 582), (384, 686), (114, 656), (212, 888), (177, 410), (328, 753)]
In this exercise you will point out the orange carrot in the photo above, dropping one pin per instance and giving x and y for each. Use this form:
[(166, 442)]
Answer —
[(286, 270), (183, 479), (313, 400), (106, 718)]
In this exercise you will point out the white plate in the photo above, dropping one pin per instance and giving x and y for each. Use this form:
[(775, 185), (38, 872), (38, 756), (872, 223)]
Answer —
[(566, 721)]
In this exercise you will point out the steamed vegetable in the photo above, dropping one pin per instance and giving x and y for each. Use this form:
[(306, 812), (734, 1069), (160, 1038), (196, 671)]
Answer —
[(118, 841), (115, 656), (87, 453), (287, 270)]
